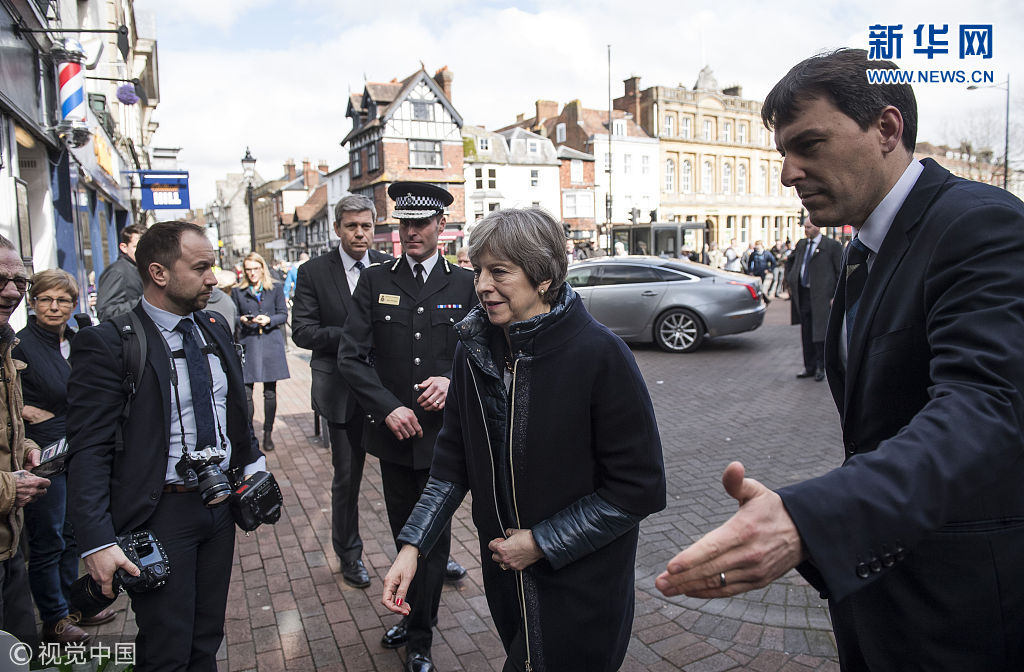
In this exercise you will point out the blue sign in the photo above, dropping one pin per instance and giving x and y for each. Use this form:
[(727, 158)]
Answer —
[(164, 189)]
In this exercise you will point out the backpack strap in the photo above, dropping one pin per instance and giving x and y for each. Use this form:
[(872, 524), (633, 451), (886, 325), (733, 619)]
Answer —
[(133, 360)]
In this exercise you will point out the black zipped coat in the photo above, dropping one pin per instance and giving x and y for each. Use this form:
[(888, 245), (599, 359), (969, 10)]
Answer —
[(576, 422)]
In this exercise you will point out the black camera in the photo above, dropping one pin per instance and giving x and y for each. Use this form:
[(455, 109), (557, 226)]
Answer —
[(143, 549), (51, 462), (202, 468), (255, 501)]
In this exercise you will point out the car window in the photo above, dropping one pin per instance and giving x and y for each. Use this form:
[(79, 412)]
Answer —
[(625, 274), (583, 276), (673, 276)]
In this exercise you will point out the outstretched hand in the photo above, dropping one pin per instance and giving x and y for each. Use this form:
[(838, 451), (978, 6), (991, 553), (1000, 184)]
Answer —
[(757, 545), (398, 578)]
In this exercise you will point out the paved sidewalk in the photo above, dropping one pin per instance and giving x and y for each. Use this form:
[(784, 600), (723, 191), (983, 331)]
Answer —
[(736, 398)]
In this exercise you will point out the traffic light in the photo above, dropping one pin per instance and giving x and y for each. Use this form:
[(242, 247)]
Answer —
[(568, 230), (634, 216), (654, 215)]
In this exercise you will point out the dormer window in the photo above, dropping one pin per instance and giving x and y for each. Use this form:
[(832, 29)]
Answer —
[(619, 127), (483, 144)]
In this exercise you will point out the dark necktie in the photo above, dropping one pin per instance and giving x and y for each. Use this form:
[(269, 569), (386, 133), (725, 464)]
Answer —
[(359, 267), (856, 276), (805, 277), (199, 381), (418, 269)]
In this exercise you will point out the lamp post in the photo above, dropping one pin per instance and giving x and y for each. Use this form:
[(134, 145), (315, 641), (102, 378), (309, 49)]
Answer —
[(216, 209), (1006, 140), (249, 173)]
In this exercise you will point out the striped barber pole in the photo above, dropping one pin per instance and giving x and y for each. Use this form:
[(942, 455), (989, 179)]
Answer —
[(72, 91)]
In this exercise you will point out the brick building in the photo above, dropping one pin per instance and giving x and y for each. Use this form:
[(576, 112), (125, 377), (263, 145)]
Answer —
[(407, 130), (578, 188)]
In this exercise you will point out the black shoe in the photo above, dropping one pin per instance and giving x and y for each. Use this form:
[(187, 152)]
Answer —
[(819, 375), (454, 571), (355, 574), (268, 443), (805, 374), (419, 662), (395, 637)]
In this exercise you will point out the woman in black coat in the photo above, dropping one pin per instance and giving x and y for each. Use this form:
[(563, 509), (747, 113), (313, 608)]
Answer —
[(549, 423), (261, 312), (43, 346)]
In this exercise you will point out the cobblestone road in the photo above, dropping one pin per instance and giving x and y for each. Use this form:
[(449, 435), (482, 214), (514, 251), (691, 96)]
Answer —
[(736, 398)]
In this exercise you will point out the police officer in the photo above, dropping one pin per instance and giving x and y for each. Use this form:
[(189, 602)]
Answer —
[(396, 355)]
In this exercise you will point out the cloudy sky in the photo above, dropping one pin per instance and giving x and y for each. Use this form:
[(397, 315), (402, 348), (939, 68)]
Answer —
[(275, 75)]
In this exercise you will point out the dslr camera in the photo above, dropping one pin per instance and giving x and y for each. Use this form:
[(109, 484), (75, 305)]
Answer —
[(255, 501), (143, 549), (202, 468)]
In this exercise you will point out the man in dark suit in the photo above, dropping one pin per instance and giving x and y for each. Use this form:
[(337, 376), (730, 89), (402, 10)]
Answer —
[(396, 354), (917, 539), (117, 488), (119, 287), (817, 261), (323, 299)]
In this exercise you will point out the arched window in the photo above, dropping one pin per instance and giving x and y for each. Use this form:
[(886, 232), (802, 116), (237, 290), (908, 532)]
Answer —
[(707, 178), (686, 184), (776, 185), (741, 178), (762, 181), (670, 176), (726, 178)]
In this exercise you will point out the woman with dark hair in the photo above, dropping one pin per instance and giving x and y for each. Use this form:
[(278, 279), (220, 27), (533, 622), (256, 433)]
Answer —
[(261, 311), (549, 423), (44, 345)]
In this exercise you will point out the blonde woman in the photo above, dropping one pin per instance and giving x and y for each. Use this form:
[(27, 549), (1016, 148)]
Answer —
[(262, 313)]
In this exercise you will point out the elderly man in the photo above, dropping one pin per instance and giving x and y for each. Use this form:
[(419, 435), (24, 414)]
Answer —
[(917, 538), (18, 486), (396, 354)]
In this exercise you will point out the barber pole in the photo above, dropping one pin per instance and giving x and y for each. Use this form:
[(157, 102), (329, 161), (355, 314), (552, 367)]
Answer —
[(73, 127), (72, 91)]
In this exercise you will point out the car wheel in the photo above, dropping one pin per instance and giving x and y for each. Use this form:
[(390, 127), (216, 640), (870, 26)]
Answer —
[(678, 330)]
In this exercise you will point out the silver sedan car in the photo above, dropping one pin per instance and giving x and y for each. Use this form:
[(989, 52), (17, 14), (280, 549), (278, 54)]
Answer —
[(676, 304)]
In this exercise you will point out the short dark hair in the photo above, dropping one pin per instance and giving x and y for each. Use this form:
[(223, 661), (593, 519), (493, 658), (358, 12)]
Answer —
[(129, 231), (841, 77), (162, 243)]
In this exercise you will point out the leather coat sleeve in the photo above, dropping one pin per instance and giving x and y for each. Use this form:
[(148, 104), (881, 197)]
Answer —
[(430, 516), (585, 526)]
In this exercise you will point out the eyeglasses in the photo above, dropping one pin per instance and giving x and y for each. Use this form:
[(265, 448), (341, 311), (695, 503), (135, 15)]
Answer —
[(49, 300), (22, 284)]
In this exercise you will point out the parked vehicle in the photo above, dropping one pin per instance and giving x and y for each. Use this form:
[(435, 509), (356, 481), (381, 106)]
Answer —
[(674, 303)]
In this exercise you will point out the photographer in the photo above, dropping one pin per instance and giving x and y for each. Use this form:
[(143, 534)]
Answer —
[(126, 470)]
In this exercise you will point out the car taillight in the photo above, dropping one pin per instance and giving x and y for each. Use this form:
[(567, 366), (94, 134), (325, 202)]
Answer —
[(750, 288)]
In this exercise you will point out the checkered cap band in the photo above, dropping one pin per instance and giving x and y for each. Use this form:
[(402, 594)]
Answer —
[(410, 202)]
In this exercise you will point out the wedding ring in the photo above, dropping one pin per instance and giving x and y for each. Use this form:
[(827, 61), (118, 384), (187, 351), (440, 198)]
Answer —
[(721, 579), (503, 566)]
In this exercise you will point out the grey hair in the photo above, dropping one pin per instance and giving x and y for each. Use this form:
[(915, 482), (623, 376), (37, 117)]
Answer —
[(7, 244), (355, 203), (531, 239)]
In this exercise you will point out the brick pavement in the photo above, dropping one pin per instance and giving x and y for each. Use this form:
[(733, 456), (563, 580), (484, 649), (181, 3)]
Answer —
[(736, 398)]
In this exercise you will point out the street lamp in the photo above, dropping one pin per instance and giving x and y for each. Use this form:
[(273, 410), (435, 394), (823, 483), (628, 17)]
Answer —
[(249, 173), (1006, 141), (216, 210)]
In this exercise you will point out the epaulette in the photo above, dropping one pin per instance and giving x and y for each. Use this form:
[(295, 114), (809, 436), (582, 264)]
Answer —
[(394, 266)]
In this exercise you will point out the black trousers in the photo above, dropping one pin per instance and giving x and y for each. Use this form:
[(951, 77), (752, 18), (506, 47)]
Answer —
[(814, 351), (402, 489), (16, 613), (181, 624), (348, 457)]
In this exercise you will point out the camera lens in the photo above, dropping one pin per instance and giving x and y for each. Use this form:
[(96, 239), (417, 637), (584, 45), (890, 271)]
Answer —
[(87, 597), (213, 485)]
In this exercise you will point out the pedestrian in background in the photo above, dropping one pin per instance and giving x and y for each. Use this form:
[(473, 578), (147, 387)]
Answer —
[(559, 488), (293, 272), (220, 299), (262, 313), (817, 263), (120, 285), (44, 346), (462, 258), (18, 453), (760, 264)]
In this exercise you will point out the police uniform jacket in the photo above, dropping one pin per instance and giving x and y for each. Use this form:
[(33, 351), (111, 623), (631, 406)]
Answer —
[(398, 334)]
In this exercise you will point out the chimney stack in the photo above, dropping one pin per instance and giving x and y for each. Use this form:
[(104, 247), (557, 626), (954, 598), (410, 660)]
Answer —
[(322, 166), (444, 78), (310, 178), (545, 110), (289, 169)]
